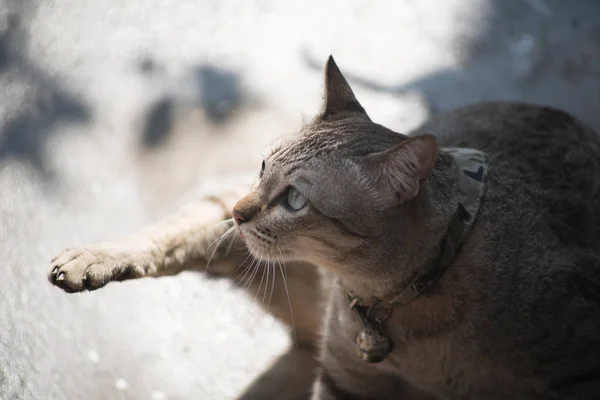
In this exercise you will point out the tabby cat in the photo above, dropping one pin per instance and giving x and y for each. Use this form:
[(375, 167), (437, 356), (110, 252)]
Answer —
[(461, 261)]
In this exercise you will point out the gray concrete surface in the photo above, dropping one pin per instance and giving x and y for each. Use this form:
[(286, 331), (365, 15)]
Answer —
[(113, 113)]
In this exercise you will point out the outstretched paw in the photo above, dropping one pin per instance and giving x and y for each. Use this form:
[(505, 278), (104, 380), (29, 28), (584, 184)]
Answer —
[(91, 267)]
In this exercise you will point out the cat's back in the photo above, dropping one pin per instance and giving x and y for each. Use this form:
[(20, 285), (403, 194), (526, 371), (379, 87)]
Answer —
[(542, 145), (542, 160), (539, 230)]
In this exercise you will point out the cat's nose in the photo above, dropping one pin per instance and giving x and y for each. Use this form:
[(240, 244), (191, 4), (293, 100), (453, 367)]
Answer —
[(246, 208), (238, 217)]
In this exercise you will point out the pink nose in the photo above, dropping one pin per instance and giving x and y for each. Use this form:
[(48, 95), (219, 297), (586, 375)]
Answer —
[(238, 217)]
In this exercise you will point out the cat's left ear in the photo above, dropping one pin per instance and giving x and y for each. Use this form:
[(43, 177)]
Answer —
[(398, 173), (338, 94)]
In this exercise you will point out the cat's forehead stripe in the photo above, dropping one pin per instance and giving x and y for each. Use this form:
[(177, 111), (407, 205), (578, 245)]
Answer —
[(291, 170), (309, 146), (273, 153), (322, 139)]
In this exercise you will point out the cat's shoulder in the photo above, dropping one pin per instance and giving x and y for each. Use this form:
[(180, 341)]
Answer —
[(530, 145), (493, 125)]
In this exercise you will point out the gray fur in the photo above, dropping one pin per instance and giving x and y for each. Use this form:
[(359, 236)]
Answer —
[(517, 313), (515, 316)]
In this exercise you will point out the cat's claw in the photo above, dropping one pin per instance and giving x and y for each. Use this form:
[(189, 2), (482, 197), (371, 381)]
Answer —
[(89, 268)]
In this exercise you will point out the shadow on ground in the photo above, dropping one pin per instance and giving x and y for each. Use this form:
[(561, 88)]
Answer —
[(35, 103), (215, 90), (545, 51), (540, 51)]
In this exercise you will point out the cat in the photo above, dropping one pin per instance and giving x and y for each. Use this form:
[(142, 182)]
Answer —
[(460, 261)]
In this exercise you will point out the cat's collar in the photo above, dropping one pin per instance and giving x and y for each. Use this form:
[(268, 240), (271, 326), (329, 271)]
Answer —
[(472, 181)]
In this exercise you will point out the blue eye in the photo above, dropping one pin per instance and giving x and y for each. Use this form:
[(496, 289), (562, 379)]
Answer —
[(295, 200)]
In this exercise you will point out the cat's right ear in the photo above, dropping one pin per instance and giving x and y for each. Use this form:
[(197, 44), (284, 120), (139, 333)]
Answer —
[(338, 94), (398, 173)]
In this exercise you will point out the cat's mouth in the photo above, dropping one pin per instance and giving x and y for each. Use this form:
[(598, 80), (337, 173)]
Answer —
[(255, 234), (262, 246)]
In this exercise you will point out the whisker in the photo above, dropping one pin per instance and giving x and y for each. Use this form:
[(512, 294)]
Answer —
[(238, 280), (232, 242), (245, 271), (247, 277), (252, 276), (242, 273), (243, 262), (253, 273), (225, 221), (266, 285), (272, 283), (227, 232), (262, 277), (288, 294), (216, 245)]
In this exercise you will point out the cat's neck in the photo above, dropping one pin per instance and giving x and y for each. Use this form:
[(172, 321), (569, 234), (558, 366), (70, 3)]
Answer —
[(410, 242)]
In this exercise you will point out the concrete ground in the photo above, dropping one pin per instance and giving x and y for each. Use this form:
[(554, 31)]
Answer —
[(114, 113)]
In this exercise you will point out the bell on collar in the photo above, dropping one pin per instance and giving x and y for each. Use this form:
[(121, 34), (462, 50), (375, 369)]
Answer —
[(372, 346)]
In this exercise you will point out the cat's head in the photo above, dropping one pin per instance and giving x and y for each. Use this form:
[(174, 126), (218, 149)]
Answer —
[(329, 191)]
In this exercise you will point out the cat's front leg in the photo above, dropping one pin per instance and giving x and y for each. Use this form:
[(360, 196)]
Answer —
[(93, 266), (185, 241)]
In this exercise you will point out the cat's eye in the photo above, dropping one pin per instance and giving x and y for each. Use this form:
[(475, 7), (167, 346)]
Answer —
[(295, 200), (262, 167)]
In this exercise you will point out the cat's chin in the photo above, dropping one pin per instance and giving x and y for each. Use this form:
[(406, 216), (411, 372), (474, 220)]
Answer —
[(274, 258), (270, 255)]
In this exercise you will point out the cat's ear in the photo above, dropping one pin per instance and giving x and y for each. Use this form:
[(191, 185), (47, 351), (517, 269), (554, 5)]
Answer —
[(338, 94), (399, 172)]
